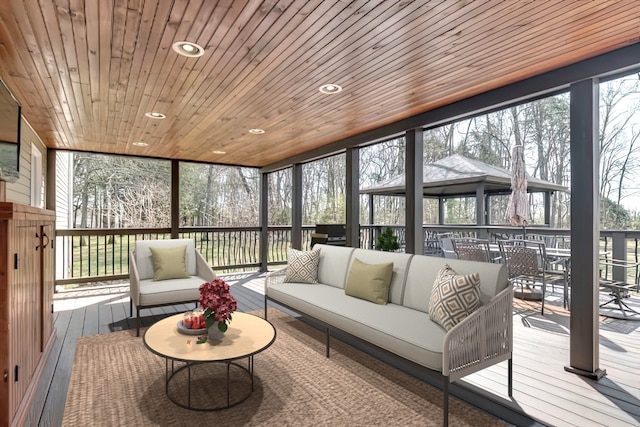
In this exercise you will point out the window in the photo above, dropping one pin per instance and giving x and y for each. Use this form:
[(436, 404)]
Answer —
[(37, 185)]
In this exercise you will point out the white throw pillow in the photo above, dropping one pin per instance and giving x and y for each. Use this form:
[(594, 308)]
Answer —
[(453, 297), (302, 266)]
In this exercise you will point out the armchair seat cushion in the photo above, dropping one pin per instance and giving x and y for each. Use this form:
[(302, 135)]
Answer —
[(170, 290)]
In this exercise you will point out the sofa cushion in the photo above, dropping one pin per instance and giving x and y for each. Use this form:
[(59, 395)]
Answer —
[(169, 263), (453, 297), (369, 281), (145, 263), (400, 330), (302, 266)]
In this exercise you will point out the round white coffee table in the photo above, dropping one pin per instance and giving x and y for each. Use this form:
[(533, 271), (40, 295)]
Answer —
[(247, 335)]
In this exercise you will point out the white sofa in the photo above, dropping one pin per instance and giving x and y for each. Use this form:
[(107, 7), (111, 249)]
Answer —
[(403, 327), (147, 293)]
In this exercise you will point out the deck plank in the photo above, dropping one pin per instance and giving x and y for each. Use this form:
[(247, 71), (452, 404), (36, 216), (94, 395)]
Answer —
[(53, 410)]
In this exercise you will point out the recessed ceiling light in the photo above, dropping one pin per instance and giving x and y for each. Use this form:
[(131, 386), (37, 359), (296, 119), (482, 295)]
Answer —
[(140, 144), (330, 88), (219, 152), (155, 115), (256, 131), (189, 49)]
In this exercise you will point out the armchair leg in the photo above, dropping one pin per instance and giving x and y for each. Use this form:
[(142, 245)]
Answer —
[(137, 322), (130, 306)]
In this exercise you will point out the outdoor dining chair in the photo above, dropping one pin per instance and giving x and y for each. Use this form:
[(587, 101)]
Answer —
[(446, 245), (472, 250), (619, 290), (528, 265)]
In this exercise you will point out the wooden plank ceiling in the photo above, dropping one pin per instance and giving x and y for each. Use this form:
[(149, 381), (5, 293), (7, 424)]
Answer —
[(86, 72)]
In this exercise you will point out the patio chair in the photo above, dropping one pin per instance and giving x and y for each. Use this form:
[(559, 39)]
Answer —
[(446, 245), (618, 290), (472, 250), (527, 263), (179, 286)]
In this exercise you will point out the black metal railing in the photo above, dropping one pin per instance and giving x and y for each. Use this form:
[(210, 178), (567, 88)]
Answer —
[(87, 255)]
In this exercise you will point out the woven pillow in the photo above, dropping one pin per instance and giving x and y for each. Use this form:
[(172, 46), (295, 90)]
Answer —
[(453, 297), (302, 267)]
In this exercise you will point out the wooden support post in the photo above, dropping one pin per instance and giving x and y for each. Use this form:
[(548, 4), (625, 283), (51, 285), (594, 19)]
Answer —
[(585, 231)]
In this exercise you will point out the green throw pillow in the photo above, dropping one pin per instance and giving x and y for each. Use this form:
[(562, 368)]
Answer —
[(169, 263), (369, 281)]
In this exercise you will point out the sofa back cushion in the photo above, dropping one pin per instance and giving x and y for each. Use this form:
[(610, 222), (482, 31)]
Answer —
[(333, 264), (424, 269), (144, 261), (400, 264)]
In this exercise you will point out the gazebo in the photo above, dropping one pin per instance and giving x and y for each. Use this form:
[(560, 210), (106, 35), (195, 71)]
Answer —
[(460, 176)]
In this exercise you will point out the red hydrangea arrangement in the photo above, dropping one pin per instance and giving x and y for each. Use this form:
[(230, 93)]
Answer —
[(217, 302)]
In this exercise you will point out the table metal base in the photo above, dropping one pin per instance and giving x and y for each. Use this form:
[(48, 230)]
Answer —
[(171, 371)]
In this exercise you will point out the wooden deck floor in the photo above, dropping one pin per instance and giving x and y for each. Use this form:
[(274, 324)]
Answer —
[(543, 391)]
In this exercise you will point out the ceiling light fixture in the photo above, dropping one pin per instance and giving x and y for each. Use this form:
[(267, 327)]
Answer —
[(155, 115), (140, 144), (188, 49), (330, 88), (219, 152), (256, 131)]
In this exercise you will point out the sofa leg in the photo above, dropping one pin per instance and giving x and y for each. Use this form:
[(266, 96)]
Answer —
[(328, 334), (445, 403), (510, 377)]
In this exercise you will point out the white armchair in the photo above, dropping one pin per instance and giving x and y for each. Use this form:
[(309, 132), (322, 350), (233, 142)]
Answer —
[(147, 293)]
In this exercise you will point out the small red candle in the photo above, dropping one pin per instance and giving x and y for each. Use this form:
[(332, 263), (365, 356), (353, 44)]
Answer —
[(187, 321)]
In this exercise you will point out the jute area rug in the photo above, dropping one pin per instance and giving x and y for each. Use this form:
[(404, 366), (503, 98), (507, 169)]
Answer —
[(116, 381)]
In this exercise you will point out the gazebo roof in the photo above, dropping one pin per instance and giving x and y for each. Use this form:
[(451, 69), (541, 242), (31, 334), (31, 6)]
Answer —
[(457, 175)]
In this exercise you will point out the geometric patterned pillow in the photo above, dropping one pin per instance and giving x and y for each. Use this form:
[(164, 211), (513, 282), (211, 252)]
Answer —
[(302, 267), (453, 297)]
